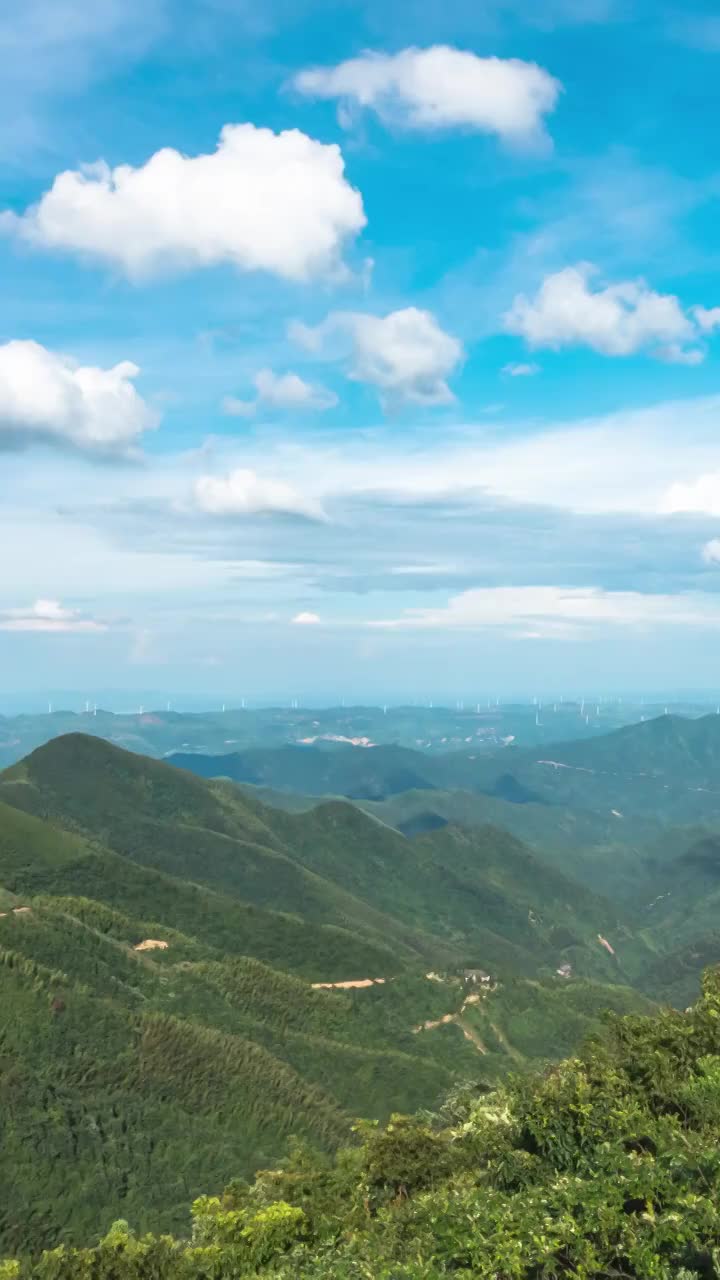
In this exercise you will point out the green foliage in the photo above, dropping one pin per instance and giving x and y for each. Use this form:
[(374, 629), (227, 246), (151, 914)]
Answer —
[(261, 1235), (133, 1081), (606, 1167), (171, 1071)]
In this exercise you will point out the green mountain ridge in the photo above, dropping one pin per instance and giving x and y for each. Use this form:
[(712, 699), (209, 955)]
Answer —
[(438, 897), (175, 1069)]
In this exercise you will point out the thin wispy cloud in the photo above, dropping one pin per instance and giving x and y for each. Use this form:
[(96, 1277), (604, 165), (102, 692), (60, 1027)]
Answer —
[(49, 616), (541, 612), (53, 52)]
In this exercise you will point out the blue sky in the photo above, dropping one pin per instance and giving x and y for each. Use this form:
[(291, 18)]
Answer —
[(368, 348)]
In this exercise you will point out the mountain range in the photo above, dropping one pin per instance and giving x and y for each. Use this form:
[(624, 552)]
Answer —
[(433, 730), (170, 946)]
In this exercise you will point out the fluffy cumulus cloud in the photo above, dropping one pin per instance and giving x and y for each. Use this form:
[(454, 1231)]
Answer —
[(242, 492), (405, 354), (48, 615), (282, 392), (617, 320), (306, 619), (263, 201), (551, 612), (51, 397), (441, 88)]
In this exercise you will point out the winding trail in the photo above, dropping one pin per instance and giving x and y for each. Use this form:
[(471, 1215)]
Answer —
[(459, 1021)]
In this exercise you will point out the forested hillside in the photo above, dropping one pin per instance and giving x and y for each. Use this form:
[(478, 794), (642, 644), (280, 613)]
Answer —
[(477, 898), (159, 935), (606, 1166)]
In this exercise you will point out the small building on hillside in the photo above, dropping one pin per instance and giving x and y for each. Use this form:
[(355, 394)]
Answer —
[(565, 971), (476, 978)]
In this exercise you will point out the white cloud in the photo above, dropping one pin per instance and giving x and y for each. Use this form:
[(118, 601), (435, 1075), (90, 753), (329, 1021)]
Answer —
[(261, 202), (557, 612), (45, 395), (675, 353), (617, 320), (405, 354), (306, 619), (701, 495), (432, 568), (281, 391), (514, 370), (441, 88), (235, 408), (608, 463), (48, 615), (711, 551), (243, 492), (707, 318)]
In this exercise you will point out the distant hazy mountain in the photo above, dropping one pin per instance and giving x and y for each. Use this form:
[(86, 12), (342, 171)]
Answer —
[(663, 770), (432, 730)]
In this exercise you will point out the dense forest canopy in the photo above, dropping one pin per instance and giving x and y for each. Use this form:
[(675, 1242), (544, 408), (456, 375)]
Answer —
[(605, 1166)]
